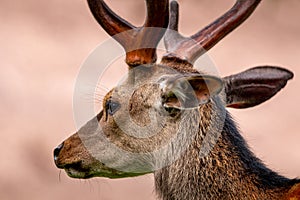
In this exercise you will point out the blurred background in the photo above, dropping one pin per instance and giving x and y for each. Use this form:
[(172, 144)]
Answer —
[(42, 46)]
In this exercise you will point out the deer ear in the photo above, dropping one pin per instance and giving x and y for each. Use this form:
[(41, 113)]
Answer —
[(255, 86), (190, 91)]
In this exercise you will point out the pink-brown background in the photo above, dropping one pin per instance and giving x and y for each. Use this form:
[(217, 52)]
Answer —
[(42, 45)]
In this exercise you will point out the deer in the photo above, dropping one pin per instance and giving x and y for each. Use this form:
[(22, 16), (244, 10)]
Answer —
[(171, 119)]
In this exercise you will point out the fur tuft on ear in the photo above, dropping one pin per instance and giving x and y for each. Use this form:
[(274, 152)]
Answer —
[(190, 91)]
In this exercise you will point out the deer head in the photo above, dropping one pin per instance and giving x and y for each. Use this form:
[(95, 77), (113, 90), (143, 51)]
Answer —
[(154, 117)]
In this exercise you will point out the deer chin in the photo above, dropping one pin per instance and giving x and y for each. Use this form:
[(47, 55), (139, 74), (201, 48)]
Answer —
[(77, 170)]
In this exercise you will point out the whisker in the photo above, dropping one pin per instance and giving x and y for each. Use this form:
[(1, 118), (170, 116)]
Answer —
[(59, 176)]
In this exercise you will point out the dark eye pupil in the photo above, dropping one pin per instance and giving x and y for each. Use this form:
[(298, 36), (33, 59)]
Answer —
[(173, 112), (112, 107)]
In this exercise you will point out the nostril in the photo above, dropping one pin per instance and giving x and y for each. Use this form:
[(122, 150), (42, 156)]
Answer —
[(57, 151)]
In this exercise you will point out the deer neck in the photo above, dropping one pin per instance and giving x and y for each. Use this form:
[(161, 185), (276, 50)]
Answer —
[(229, 171)]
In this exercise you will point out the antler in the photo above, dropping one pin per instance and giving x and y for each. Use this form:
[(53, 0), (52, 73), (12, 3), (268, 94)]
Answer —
[(190, 48), (139, 42)]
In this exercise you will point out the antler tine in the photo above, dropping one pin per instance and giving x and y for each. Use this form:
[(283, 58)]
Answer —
[(189, 49), (139, 42), (174, 15), (157, 13), (173, 39), (213, 33), (110, 22)]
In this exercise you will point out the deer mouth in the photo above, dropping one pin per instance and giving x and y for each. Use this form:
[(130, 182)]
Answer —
[(78, 170), (76, 173)]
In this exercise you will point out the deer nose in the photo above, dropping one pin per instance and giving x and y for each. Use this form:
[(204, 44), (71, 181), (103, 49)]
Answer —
[(56, 152)]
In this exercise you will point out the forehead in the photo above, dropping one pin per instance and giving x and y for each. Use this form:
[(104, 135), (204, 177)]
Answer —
[(153, 73), (145, 78)]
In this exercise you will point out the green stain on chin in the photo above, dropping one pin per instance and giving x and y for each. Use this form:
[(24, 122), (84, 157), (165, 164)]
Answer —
[(118, 175), (107, 173)]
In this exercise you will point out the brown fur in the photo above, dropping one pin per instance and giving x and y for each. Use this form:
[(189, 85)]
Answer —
[(229, 171), (293, 193)]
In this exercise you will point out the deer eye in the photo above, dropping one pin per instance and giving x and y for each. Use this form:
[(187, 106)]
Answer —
[(112, 107), (172, 112)]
